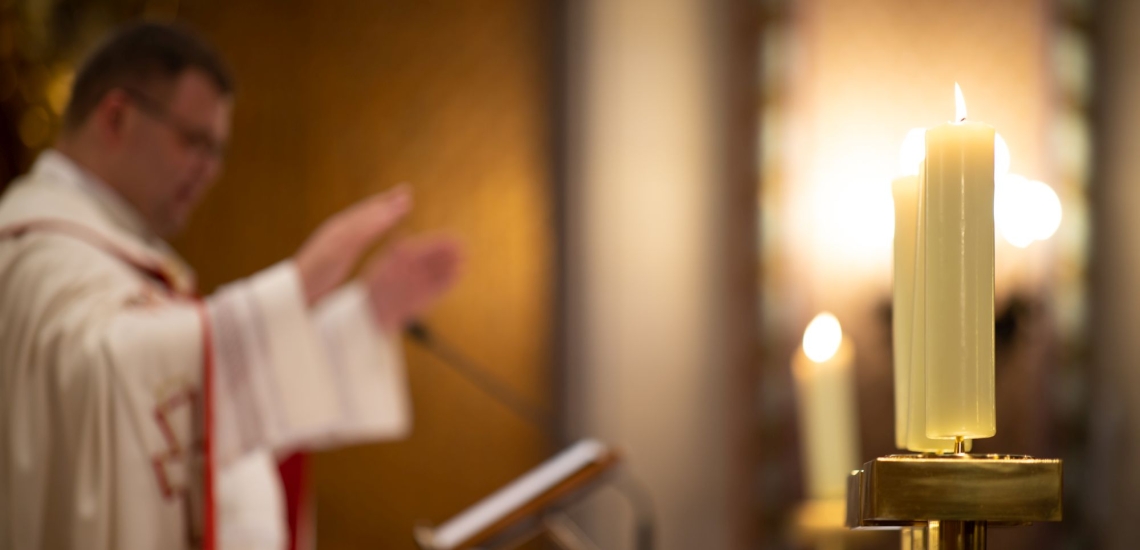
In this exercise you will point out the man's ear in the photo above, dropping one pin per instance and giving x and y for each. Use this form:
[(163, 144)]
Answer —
[(110, 115)]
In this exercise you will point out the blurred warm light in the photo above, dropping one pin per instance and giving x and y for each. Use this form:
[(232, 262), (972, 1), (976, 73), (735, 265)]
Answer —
[(912, 152), (59, 89), (1011, 215), (1025, 210), (959, 104), (1002, 159), (1046, 208), (856, 218), (822, 337)]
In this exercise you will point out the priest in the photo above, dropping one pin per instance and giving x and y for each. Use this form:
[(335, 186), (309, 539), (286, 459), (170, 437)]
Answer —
[(135, 414)]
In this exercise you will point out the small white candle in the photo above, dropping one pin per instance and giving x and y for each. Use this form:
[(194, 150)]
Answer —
[(916, 438), (908, 315), (904, 190), (959, 260), (826, 407)]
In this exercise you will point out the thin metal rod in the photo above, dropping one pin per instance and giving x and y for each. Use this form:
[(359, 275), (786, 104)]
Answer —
[(519, 538), (912, 538), (567, 534), (962, 535), (641, 502), (480, 377)]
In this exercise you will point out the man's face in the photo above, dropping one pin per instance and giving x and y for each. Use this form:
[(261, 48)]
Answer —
[(170, 148)]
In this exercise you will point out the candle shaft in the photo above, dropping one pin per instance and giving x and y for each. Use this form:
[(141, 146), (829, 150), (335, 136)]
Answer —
[(827, 418), (909, 319), (959, 278), (905, 194)]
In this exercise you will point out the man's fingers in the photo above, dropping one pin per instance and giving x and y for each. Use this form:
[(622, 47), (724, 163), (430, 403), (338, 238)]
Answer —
[(442, 262), (431, 260), (329, 254), (374, 215), (412, 274)]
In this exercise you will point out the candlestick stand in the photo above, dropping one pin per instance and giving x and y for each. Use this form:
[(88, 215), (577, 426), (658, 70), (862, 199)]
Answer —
[(820, 525), (948, 502)]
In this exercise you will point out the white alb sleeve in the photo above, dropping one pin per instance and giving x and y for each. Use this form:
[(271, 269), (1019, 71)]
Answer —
[(288, 378)]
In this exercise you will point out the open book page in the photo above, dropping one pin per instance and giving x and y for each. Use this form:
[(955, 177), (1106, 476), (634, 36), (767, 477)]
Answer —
[(547, 475)]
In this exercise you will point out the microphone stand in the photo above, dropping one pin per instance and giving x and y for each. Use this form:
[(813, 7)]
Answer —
[(480, 378)]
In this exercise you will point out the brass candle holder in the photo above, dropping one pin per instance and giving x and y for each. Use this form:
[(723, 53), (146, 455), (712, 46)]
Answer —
[(948, 502)]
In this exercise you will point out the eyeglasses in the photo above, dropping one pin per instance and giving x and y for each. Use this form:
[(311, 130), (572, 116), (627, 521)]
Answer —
[(194, 138)]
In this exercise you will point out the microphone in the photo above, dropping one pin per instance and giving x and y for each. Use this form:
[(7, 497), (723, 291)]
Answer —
[(480, 378)]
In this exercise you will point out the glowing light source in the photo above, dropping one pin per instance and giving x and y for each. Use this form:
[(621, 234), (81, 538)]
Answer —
[(1025, 210), (912, 152), (1001, 156), (822, 337), (853, 219), (1010, 210), (1046, 210), (959, 104)]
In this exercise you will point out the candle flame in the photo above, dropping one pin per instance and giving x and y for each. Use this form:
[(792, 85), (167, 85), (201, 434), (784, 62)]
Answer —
[(959, 104), (822, 337)]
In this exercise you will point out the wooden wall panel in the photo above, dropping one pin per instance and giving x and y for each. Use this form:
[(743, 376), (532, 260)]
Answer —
[(341, 99)]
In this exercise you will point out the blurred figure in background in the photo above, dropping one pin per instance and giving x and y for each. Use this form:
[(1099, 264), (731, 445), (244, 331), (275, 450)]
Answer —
[(134, 415)]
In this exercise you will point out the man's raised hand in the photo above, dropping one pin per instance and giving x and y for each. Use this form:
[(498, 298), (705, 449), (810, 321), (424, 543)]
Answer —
[(405, 280), (330, 253)]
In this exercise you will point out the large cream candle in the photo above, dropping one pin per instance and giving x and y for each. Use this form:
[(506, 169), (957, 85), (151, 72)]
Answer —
[(959, 262), (825, 397)]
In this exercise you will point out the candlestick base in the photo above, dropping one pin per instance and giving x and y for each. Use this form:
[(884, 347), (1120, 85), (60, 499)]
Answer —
[(953, 499), (819, 524)]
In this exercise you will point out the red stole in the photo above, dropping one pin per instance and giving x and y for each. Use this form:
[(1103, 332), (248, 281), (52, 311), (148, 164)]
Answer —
[(295, 479)]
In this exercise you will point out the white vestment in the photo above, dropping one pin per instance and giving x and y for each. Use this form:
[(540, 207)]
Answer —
[(116, 384)]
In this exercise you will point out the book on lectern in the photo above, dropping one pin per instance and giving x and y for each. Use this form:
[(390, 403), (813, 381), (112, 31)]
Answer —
[(529, 495)]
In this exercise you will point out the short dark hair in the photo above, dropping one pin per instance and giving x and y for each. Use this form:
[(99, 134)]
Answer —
[(139, 56)]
